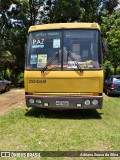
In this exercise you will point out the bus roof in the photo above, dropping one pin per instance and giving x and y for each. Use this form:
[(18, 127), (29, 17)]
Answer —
[(52, 26)]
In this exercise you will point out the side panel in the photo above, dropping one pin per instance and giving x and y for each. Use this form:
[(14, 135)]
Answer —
[(2, 85)]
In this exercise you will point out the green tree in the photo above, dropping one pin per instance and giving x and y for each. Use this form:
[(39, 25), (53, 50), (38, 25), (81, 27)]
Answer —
[(90, 8), (14, 25), (65, 11), (111, 30), (80, 10), (107, 69), (4, 6), (35, 13), (106, 8), (110, 5)]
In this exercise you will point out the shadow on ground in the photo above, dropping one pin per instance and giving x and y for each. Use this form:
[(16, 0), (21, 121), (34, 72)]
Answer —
[(64, 114)]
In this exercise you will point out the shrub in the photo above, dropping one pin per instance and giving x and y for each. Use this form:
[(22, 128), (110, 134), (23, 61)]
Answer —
[(107, 69), (118, 70), (21, 78), (6, 74)]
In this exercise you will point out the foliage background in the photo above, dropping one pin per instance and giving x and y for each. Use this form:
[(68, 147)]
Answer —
[(17, 15)]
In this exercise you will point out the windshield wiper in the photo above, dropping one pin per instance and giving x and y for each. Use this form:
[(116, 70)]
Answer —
[(76, 62), (44, 69)]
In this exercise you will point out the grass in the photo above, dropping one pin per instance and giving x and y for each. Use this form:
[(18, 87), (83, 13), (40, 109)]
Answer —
[(39, 130)]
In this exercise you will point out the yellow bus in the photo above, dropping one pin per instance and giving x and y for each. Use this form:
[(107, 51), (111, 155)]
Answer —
[(63, 68)]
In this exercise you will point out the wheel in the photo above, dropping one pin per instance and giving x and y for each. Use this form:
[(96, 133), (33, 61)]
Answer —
[(7, 88), (107, 92)]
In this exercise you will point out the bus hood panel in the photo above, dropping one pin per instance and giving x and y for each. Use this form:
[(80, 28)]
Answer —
[(64, 83)]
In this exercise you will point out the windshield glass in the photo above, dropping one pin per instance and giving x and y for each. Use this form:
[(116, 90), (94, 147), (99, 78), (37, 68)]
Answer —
[(64, 50), (83, 46), (43, 46)]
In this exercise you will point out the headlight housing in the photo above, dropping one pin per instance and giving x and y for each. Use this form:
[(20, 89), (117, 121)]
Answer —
[(31, 101), (95, 102), (87, 102)]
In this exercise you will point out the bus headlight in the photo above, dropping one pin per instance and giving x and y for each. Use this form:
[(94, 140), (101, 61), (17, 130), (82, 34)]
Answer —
[(87, 102), (95, 102), (31, 100)]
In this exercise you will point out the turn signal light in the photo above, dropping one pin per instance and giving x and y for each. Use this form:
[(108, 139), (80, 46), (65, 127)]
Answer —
[(95, 94)]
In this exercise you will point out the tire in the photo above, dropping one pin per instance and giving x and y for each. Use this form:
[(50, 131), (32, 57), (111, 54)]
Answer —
[(7, 88), (107, 92)]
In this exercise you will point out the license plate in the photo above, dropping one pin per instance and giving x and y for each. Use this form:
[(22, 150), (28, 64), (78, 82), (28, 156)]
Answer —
[(62, 103)]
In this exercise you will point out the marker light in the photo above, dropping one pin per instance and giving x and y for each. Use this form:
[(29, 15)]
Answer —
[(38, 101), (79, 105), (46, 104)]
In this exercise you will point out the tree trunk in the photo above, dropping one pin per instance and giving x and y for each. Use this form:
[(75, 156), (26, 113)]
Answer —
[(115, 69), (31, 13)]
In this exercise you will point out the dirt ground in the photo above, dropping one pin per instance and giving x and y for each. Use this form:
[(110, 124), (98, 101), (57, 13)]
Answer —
[(11, 99)]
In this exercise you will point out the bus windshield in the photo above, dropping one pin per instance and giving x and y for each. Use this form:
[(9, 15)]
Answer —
[(64, 49)]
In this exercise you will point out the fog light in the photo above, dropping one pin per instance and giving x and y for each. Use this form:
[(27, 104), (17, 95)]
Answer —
[(31, 101), (38, 101), (46, 104), (95, 102), (87, 102), (79, 105)]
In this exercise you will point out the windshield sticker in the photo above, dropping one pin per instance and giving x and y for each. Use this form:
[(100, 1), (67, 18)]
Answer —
[(56, 43), (73, 64), (53, 34), (38, 46), (33, 59), (41, 34), (42, 60), (38, 43)]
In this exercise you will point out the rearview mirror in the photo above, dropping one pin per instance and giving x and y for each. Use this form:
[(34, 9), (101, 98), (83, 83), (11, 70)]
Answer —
[(105, 48), (25, 49)]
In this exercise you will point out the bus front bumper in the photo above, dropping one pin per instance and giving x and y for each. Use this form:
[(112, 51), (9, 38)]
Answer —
[(67, 102)]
